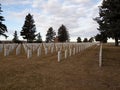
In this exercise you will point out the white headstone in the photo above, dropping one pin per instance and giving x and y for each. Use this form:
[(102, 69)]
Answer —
[(59, 56)]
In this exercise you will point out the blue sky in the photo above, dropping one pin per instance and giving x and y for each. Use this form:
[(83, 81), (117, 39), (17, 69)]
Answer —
[(76, 15)]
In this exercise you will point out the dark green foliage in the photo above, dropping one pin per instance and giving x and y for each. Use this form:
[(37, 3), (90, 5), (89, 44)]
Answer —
[(39, 38), (29, 29), (79, 40), (63, 35), (98, 37), (50, 36), (15, 39), (91, 39), (3, 28), (101, 38), (109, 19), (85, 40)]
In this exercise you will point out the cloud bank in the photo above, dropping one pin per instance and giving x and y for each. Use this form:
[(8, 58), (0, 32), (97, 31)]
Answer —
[(76, 15)]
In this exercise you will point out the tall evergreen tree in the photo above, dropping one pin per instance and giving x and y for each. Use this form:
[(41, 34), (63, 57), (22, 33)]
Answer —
[(28, 29), (39, 38), (79, 40), (109, 19), (3, 28), (50, 36), (63, 35)]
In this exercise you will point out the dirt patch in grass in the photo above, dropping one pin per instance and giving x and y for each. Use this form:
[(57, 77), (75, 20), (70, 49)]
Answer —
[(78, 72)]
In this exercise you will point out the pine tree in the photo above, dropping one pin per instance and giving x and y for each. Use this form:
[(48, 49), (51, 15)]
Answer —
[(91, 39), (28, 29), (109, 19), (15, 39), (63, 35), (79, 40), (85, 40), (3, 28), (98, 37), (39, 38), (50, 36), (101, 37)]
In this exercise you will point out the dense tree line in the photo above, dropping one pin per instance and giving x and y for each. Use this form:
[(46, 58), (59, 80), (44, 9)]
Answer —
[(79, 40)]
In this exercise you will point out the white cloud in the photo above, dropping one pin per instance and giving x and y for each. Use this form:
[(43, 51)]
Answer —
[(12, 2), (76, 2), (75, 14), (79, 1), (37, 3)]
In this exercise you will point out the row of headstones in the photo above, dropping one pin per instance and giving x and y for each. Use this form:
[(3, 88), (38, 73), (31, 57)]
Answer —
[(7, 48), (68, 48), (64, 50), (73, 51), (30, 48), (54, 47), (33, 47)]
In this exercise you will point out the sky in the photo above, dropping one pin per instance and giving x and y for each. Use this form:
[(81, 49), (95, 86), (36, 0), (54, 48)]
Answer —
[(76, 15)]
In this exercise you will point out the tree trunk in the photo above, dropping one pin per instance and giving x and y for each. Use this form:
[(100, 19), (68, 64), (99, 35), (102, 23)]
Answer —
[(116, 41)]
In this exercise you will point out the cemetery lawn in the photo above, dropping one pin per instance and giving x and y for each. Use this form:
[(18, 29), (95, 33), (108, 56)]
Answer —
[(78, 72)]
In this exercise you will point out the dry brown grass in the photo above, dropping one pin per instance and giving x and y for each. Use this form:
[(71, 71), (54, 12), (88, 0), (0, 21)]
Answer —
[(79, 72)]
